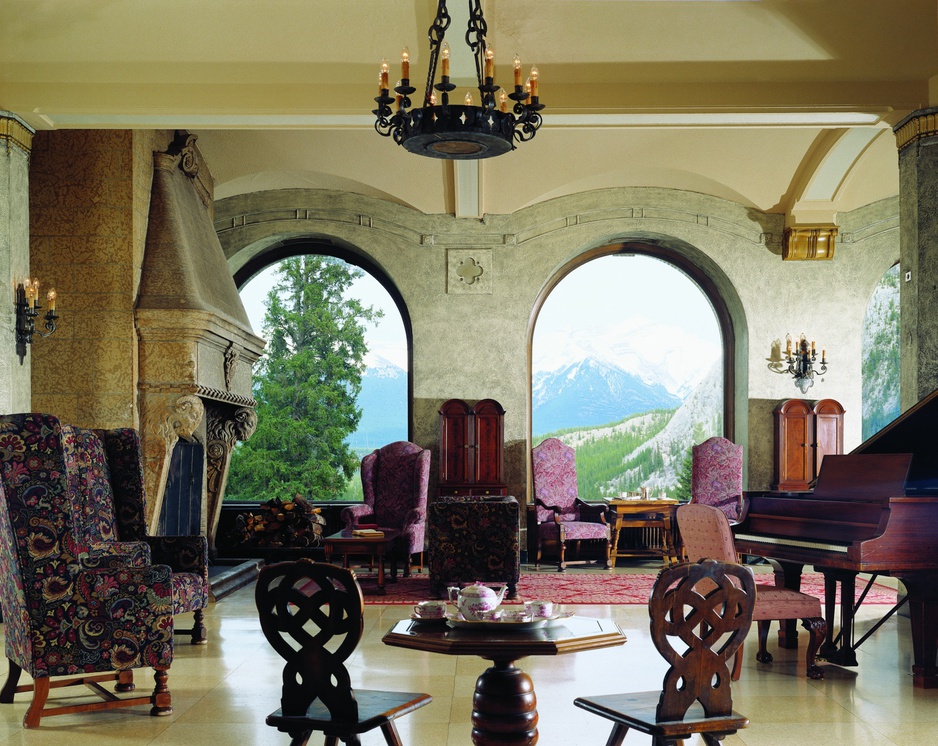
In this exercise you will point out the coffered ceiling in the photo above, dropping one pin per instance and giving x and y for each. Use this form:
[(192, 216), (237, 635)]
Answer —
[(782, 105)]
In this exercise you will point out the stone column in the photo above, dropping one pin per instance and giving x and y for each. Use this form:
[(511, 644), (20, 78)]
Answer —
[(16, 139), (917, 141)]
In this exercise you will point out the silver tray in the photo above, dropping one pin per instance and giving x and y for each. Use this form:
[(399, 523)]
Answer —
[(457, 621)]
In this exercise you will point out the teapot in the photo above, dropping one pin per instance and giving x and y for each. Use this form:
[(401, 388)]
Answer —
[(473, 600)]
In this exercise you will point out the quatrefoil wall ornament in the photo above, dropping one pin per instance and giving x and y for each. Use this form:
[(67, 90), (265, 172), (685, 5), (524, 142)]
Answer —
[(469, 271)]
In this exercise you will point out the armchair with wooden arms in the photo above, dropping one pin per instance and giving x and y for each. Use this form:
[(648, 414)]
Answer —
[(104, 470), (395, 479), (67, 613), (561, 515)]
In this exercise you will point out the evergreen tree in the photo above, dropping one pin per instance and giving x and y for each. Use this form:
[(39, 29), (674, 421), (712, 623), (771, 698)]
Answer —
[(307, 386), (683, 491)]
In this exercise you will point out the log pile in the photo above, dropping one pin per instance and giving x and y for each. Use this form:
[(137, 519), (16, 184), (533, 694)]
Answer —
[(289, 524)]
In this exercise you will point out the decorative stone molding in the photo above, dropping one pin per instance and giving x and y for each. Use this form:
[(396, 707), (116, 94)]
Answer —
[(231, 360), (165, 420), (15, 132), (916, 126), (225, 427), (809, 242)]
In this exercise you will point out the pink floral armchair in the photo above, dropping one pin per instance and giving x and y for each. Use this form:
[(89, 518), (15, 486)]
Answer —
[(717, 476), (395, 479), (66, 612), (561, 515)]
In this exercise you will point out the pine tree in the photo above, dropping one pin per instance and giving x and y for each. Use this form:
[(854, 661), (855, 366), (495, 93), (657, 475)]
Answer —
[(307, 386)]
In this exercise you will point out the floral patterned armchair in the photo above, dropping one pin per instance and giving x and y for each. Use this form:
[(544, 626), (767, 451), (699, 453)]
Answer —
[(63, 617), (395, 479), (717, 476), (104, 473), (473, 539), (561, 515)]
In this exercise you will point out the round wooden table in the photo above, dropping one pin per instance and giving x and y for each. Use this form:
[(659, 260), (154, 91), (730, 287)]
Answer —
[(504, 706)]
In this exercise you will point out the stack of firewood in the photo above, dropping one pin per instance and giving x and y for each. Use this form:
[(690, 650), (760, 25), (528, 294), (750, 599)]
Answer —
[(287, 524)]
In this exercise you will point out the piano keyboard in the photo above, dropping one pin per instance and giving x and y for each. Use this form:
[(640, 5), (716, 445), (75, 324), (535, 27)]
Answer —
[(780, 542)]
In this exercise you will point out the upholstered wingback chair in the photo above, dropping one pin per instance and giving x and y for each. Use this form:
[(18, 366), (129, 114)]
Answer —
[(561, 515), (395, 479), (717, 476), (104, 472), (706, 533), (63, 616)]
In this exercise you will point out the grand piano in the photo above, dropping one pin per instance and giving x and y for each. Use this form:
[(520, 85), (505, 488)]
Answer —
[(874, 510)]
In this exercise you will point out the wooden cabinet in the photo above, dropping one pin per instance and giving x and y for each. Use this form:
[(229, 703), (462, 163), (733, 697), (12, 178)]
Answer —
[(472, 448), (805, 433)]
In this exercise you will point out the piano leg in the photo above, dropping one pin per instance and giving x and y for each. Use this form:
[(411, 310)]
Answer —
[(788, 575), (845, 654), (923, 610)]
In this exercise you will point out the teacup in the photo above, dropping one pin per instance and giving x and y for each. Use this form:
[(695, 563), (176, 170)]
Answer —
[(494, 615), (430, 609), (539, 609), (516, 615)]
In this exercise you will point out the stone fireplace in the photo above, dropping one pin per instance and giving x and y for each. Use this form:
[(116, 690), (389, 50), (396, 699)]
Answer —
[(196, 347)]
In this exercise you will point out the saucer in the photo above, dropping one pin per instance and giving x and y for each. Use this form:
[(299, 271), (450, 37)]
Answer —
[(428, 619)]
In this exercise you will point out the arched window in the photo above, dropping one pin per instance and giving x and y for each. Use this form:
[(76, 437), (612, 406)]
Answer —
[(627, 365), (880, 369), (383, 396)]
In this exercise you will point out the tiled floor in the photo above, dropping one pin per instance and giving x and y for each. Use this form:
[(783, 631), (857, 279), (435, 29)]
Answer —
[(223, 691)]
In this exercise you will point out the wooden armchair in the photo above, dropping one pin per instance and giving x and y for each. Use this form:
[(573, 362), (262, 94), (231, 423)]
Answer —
[(62, 617), (312, 615), (561, 515), (717, 476), (700, 614)]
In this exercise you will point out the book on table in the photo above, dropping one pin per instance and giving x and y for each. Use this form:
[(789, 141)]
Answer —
[(372, 533)]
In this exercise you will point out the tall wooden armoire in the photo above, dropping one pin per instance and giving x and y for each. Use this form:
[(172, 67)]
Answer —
[(472, 448), (805, 433)]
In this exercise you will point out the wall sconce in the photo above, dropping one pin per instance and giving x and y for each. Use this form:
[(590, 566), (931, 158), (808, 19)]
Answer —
[(801, 362), (27, 309)]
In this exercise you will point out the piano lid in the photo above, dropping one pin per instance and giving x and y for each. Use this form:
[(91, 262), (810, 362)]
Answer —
[(914, 431), (862, 477)]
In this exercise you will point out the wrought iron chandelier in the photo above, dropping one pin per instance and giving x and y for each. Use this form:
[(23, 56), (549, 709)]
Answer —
[(801, 362), (439, 129)]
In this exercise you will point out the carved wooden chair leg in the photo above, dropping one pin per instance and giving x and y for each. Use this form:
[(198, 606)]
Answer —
[(608, 564), (199, 634), (125, 681), (817, 628), (562, 562), (391, 735), (40, 695), (738, 664), (13, 678), (763, 655), (161, 699)]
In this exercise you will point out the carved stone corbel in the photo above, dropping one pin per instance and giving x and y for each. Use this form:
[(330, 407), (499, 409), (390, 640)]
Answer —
[(223, 433), (165, 423)]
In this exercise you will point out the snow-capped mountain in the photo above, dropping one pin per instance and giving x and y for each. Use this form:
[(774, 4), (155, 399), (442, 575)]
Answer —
[(383, 401), (592, 392)]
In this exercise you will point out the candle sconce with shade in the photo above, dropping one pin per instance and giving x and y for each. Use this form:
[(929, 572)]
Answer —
[(801, 362), (27, 306)]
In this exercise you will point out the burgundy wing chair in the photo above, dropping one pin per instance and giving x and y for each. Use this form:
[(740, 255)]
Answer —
[(717, 476), (706, 533), (561, 515), (67, 613), (395, 479)]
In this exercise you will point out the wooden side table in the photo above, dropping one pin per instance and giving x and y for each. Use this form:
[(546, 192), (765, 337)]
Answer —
[(373, 547), (655, 514)]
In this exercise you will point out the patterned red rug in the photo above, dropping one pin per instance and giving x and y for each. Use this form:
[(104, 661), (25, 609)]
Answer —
[(587, 588)]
